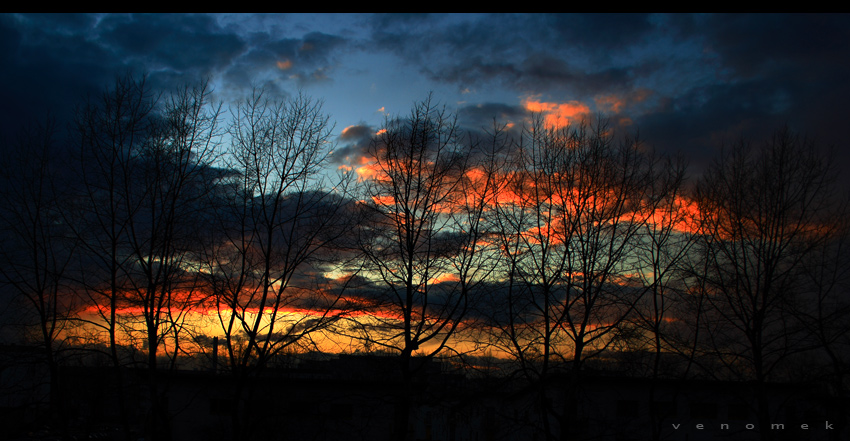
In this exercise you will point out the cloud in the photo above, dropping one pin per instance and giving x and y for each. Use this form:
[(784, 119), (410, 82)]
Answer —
[(709, 74), (682, 80), (479, 119), (49, 64), (354, 141), (54, 60), (556, 115), (267, 60), (598, 33), (179, 42)]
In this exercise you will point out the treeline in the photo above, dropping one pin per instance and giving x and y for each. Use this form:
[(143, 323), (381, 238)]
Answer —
[(157, 221)]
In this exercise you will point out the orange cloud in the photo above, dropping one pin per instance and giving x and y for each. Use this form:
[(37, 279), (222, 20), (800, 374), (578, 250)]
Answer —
[(557, 114), (284, 64), (384, 200), (367, 171), (445, 277), (682, 215)]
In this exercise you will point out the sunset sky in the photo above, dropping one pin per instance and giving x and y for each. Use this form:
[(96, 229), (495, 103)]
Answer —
[(394, 201), (685, 82)]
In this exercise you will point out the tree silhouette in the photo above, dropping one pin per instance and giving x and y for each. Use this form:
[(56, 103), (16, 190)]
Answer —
[(144, 162), (109, 131), (172, 166), (274, 217), (576, 209), (764, 213), (36, 252), (653, 332), (424, 202)]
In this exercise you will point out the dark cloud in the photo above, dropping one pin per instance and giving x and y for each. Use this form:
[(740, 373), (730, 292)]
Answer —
[(354, 141), (765, 44), (452, 51), (599, 33), (544, 72), (483, 115), (55, 60), (48, 65), (357, 133), (529, 53), (398, 32), (773, 70), (708, 75), (307, 60), (166, 41)]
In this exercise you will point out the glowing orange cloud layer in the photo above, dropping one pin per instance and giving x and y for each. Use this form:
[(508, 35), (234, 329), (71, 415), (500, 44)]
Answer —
[(368, 170), (284, 64), (557, 115), (445, 277), (682, 216)]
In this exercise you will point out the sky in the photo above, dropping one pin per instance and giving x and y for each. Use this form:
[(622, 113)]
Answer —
[(686, 83)]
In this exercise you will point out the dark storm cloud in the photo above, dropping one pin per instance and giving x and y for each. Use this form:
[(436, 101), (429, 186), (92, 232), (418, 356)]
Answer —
[(306, 60), (530, 53), (49, 63), (773, 70), (704, 119), (599, 33), (52, 61), (193, 42), (709, 76), (764, 43), (551, 73)]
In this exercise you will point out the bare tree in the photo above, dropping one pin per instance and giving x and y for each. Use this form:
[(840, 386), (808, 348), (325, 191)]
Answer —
[(575, 209), (275, 217), (143, 166), (36, 251), (110, 131), (172, 164), (765, 212), (421, 241), (665, 244), (823, 310)]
